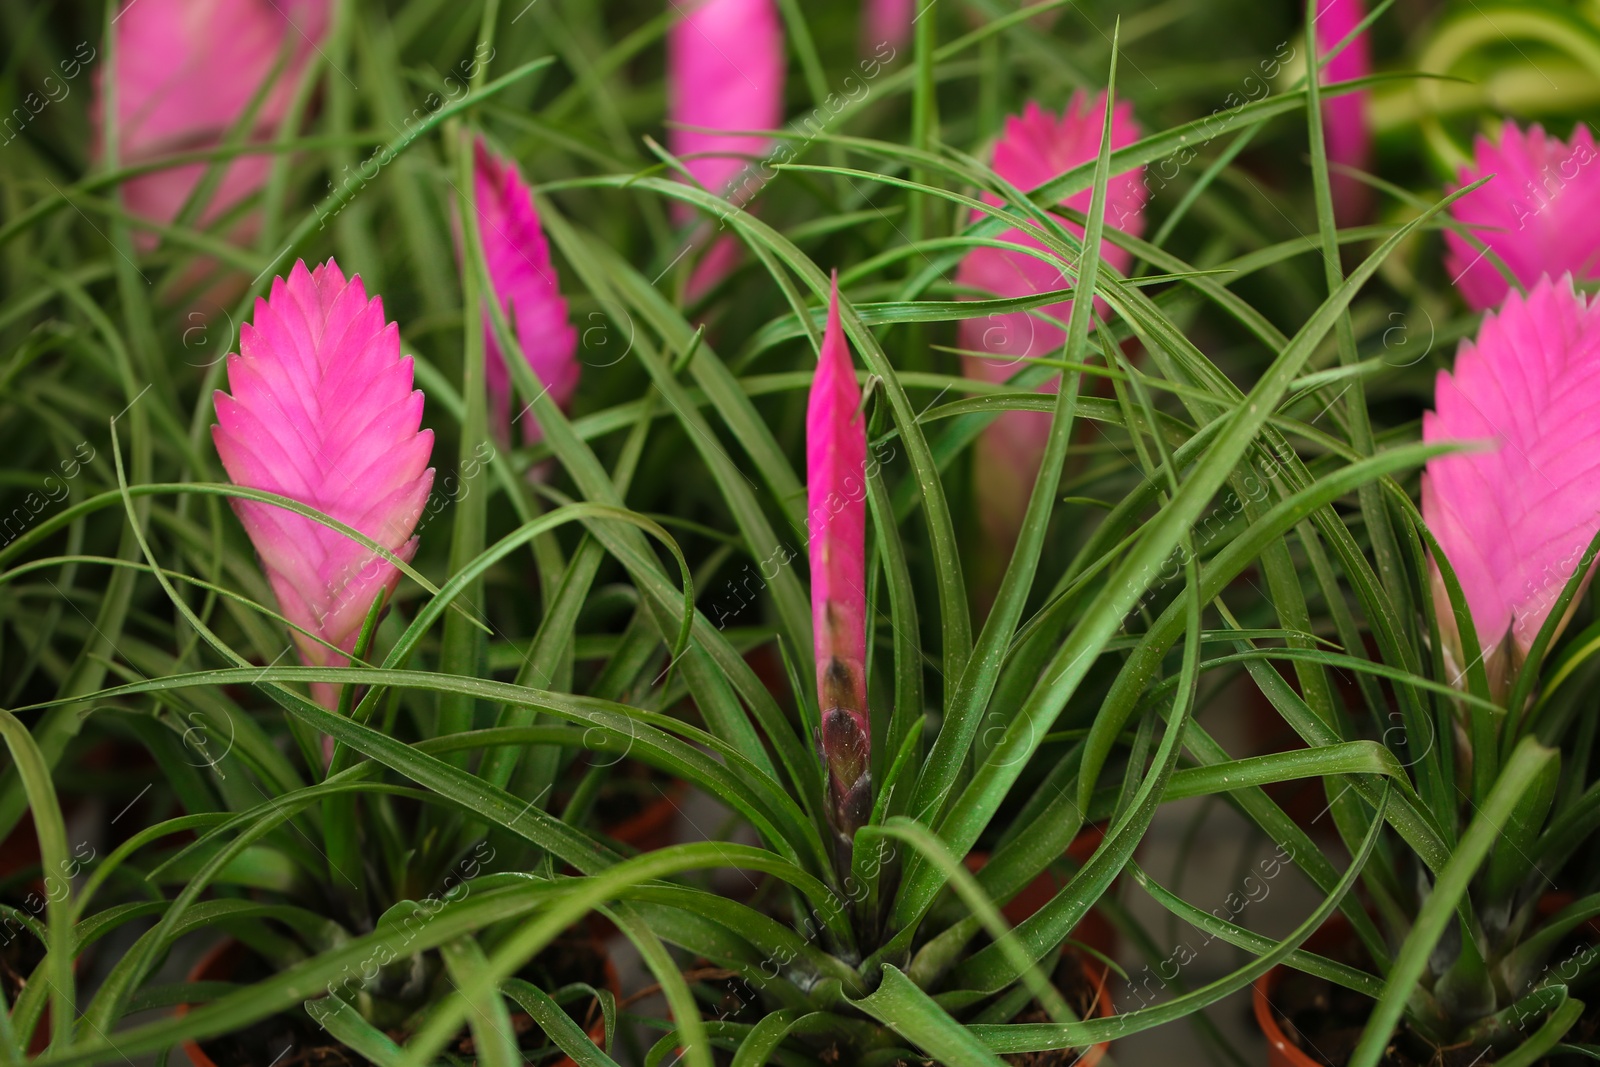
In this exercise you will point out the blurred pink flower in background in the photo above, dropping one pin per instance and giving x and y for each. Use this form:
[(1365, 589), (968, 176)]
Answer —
[(525, 284), (887, 22), (323, 412), (725, 72), (186, 72), (1346, 134), (1034, 148), (836, 500), (1540, 214), (1513, 521)]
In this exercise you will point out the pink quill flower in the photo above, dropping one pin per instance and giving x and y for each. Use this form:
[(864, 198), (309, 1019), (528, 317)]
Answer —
[(1540, 214), (1514, 521), (186, 72), (323, 412), (887, 22), (1346, 134), (836, 497), (525, 284), (1034, 148), (725, 72)]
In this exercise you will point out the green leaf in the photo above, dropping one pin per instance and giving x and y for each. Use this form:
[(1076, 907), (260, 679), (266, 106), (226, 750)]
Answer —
[(1038, 1037), (1338, 973), (51, 830), (461, 650), (1350, 757), (1530, 1052), (348, 1028), (493, 1038), (558, 1025), (911, 1013), (1517, 776)]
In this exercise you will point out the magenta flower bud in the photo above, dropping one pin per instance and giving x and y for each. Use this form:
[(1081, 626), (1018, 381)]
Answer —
[(836, 496), (1035, 147), (323, 412), (525, 283), (1540, 214), (725, 72), (1514, 521), (186, 72), (1346, 132), (887, 22)]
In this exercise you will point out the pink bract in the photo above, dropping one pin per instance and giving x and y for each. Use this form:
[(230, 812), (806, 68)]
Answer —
[(525, 284), (725, 72), (187, 71), (1346, 134), (1540, 213), (323, 412), (836, 496), (1034, 148), (1514, 520), (887, 22)]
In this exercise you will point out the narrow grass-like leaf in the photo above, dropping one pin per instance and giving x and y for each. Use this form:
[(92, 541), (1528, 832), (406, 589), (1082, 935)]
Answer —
[(52, 833), (1338, 973), (352, 1031), (493, 1038), (899, 1004), (1439, 910), (557, 1024), (1035, 1037)]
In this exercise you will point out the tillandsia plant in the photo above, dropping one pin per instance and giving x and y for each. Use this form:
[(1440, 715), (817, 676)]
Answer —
[(1475, 935), (1479, 922), (371, 691)]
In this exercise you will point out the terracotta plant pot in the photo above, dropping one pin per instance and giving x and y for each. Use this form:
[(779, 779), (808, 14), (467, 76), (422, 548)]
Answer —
[(220, 961), (1104, 1008), (215, 966), (653, 827), (1281, 1050)]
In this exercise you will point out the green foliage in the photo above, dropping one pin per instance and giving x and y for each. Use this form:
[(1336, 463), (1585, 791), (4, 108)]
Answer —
[(584, 606)]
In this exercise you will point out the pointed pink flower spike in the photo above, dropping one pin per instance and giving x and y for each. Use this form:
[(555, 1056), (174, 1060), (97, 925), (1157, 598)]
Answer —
[(323, 412), (887, 22), (525, 284), (1346, 134), (1034, 148), (1540, 214), (1514, 521), (836, 492), (725, 71), (186, 72)]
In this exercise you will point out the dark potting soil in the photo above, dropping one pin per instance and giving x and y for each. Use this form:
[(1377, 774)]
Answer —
[(292, 1039), (1321, 1019), (1081, 992)]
